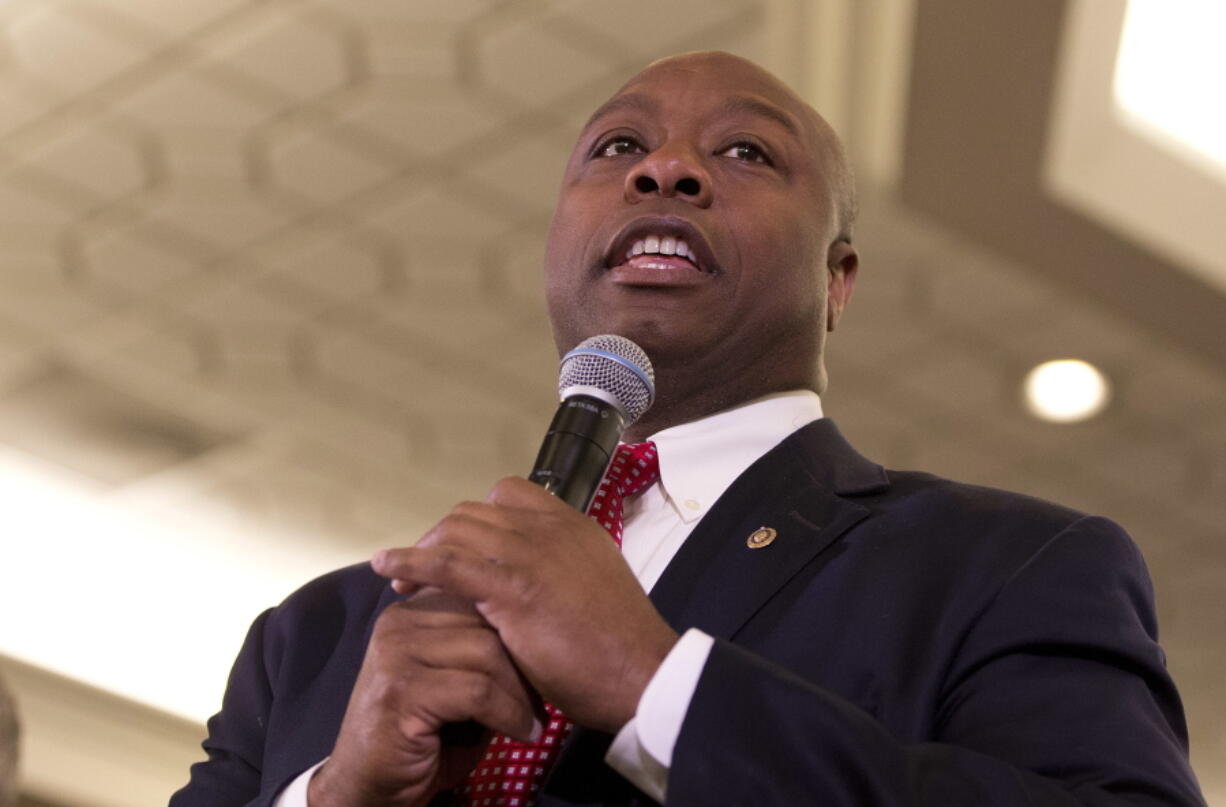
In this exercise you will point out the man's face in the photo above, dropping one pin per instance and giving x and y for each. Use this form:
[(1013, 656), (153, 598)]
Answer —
[(708, 156)]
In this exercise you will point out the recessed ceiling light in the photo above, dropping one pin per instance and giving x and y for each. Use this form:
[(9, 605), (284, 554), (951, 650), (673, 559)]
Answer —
[(1066, 391)]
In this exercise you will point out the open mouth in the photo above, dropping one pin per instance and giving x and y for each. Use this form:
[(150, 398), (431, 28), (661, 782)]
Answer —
[(661, 245), (661, 252)]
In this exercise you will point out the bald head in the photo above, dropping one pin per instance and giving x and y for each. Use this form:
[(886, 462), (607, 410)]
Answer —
[(822, 139)]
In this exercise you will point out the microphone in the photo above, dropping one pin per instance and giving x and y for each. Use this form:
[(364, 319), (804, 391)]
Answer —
[(605, 384)]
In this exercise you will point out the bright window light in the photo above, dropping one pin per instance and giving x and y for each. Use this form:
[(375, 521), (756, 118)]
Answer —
[(1066, 391), (148, 607), (1170, 76)]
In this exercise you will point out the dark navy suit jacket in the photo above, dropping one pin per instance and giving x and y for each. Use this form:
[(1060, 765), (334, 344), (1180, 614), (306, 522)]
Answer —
[(905, 640)]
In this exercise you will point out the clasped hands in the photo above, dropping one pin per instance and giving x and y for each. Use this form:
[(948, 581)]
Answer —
[(516, 598)]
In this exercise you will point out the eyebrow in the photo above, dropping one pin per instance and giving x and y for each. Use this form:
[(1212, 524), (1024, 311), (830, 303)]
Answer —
[(733, 105), (636, 101), (747, 104)]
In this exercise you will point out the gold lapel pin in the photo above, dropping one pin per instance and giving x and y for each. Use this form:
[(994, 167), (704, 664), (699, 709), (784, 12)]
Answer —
[(762, 536)]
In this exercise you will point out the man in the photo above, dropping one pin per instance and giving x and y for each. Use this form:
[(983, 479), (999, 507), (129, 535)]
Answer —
[(818, 631)]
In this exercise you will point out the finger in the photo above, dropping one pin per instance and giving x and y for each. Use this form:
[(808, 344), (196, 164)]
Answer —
[(452, 568), (421, 648), (454, 696), (483, 511), (390, 563), (517, 492), (503, 675), (458, 611), (432, 608), (405, 587), (482, 527), (472, 649)]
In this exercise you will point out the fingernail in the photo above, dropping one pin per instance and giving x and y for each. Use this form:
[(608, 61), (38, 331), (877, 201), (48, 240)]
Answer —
[(537, 730), (377, 560)]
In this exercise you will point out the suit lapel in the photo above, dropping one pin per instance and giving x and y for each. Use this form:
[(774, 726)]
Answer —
[(717, 582)]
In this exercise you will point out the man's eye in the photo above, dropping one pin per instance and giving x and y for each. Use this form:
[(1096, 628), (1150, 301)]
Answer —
[(747, 152), (618, 145)]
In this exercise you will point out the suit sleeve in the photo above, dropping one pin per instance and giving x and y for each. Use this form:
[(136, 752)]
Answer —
[(231, 775), (1057, 696)]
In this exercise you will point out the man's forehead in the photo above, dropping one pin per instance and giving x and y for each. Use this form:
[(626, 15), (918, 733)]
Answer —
[(716, 66), (732, 104), (746, 87)]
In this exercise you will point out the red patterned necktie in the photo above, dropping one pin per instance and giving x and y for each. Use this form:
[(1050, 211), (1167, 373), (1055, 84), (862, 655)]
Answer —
[(510, 774)]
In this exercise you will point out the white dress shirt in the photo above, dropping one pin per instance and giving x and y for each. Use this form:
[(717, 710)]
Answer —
[(698, 462)]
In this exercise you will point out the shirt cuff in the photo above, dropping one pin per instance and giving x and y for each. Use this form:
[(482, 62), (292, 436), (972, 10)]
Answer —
[(643, 750), (295, 795)]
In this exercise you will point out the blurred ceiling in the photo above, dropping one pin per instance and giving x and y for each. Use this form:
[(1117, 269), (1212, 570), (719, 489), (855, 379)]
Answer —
[(269, 301)]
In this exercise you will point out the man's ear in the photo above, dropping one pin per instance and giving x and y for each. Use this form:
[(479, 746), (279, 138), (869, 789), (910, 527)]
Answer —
[(841, 265)]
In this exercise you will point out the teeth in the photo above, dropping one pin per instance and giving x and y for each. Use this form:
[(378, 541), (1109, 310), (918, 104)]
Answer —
[(661, 245)]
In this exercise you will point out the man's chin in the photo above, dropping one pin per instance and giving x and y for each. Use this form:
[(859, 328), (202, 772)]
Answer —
[(666, 345)]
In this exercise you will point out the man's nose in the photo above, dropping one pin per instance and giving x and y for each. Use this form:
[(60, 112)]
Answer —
[(670, 172)]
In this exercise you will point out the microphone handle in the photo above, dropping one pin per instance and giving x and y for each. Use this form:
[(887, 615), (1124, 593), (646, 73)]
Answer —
[(578, 448)]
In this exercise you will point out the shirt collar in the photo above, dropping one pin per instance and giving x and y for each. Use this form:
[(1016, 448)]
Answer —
[(701, 459)]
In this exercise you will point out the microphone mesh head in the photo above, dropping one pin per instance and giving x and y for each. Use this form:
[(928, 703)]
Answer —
[(615, 365)]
